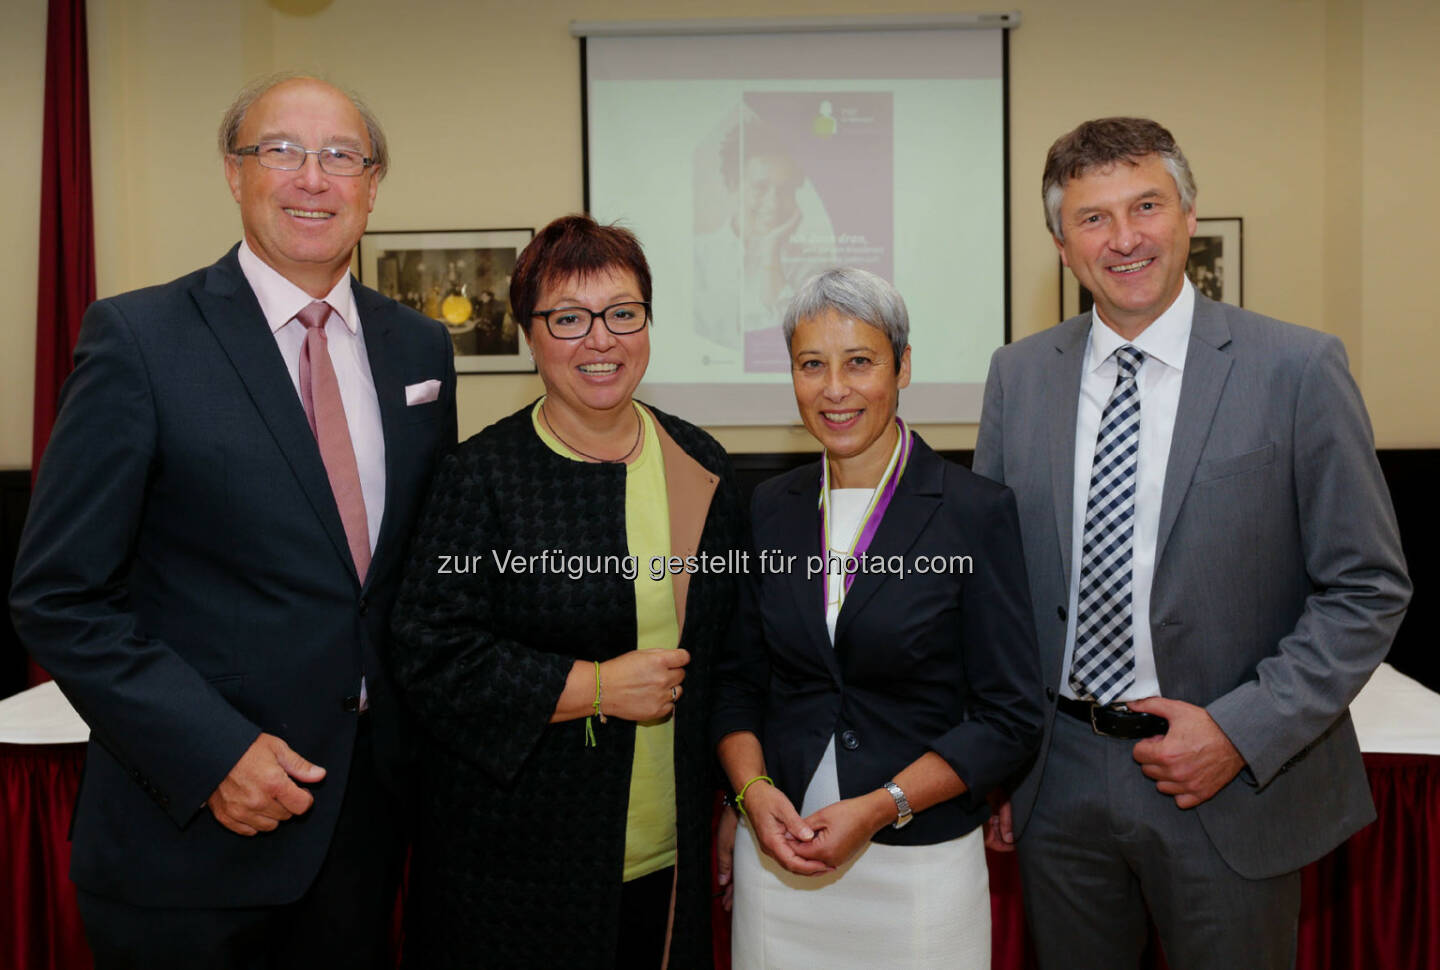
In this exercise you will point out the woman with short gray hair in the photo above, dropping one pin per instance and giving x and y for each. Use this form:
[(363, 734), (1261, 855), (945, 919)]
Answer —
[(854, 293), (885, 677)]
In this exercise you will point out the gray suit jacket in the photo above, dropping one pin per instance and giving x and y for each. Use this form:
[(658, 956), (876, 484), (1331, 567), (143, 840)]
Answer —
[(1279, 580)]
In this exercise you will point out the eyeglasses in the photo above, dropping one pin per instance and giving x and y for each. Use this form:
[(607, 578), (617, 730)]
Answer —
[(574, 322), (286, 157)]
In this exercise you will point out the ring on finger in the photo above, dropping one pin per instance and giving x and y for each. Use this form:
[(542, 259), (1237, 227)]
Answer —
[(674, 694)]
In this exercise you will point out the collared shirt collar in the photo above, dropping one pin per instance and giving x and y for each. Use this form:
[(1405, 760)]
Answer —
[(280, 299), (1165, 340)]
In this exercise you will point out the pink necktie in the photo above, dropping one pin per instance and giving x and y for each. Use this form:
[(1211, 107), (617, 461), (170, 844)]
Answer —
[(320, 394)]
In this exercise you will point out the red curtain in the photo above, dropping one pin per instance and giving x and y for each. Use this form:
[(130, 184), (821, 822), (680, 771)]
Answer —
[(1372, 903), (40, 924), (1375, 901), (67, 225)]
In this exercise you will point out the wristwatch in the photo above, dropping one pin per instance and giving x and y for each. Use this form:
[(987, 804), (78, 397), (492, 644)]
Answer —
[(902, 805)]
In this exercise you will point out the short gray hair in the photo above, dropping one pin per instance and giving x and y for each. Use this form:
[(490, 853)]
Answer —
[(1104, 142), (857, 294), (257, 89)]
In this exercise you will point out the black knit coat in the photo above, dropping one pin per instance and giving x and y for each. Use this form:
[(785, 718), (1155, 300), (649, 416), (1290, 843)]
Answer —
[(520, 840)]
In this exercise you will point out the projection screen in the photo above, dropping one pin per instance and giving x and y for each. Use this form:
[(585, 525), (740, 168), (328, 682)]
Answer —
[(746, 162)]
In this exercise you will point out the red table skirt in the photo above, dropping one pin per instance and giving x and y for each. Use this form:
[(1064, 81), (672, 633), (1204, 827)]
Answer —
[(1373, 903), (39, 921)]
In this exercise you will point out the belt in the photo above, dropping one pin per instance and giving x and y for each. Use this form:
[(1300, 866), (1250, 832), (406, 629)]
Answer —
[(1114, 720)]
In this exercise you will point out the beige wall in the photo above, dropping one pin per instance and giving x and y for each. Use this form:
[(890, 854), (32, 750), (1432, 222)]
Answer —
[(1310, 118), (22, 90), (1399, 216)]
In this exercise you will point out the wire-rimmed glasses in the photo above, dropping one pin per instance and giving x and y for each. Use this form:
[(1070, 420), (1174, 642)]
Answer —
[(289, 157)]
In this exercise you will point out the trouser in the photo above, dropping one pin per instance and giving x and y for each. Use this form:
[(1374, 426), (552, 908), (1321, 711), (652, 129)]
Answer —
[(343, 919), (1101, 847), (644, 920)]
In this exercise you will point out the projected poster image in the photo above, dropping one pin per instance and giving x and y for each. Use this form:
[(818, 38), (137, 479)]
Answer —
[(786, 184), (746, 163)]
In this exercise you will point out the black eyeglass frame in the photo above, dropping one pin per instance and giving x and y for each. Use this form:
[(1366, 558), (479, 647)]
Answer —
[(366, 162), (601, 314)]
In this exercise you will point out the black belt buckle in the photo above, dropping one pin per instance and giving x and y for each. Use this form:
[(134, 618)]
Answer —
[(1118, 721)]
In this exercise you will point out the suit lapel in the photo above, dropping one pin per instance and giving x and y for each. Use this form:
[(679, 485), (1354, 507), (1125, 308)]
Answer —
[(913, 505), (378, 325), (230, 310), (1063, 407), (1206, 368), (797, 531), (689, 489)]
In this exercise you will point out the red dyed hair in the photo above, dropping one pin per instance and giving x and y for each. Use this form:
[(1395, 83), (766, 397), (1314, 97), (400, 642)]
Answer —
[(573, 245)]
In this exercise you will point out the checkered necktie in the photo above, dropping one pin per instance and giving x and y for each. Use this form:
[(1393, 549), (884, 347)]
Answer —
[(1104, 664)]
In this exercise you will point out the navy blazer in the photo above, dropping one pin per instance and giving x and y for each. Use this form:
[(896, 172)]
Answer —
[(184, 576), (939, 660)]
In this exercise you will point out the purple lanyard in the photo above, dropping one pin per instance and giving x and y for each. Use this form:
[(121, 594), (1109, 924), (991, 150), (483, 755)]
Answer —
[(870, 524)]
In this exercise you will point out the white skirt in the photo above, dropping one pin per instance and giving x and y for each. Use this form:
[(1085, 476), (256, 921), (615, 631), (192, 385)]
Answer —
[(920, 907)]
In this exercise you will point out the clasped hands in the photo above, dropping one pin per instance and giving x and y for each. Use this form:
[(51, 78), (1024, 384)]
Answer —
[(822, 841)]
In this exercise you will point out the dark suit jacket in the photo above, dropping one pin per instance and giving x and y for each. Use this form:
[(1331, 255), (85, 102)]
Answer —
[(921, 662), (1279, 580), (185, 577)]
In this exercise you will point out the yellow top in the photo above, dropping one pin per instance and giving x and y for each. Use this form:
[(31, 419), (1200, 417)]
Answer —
[(650, 819)]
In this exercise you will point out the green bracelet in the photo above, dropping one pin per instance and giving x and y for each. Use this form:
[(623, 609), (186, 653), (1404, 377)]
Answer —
[(599, 696), (740, 798)]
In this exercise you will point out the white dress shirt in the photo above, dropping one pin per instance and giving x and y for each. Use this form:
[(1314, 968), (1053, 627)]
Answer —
[(280, 300), (847, 515), (1164, 344)]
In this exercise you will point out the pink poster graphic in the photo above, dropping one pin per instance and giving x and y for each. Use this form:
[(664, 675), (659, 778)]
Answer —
[(787, 185)]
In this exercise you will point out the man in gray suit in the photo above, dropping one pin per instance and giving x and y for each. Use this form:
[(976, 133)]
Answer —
[(1215, 570)]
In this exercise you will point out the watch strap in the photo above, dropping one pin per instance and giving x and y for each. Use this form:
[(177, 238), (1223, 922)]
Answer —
[(902, 805)]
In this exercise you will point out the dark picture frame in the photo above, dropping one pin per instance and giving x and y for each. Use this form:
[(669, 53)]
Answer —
[(460, 277), (1216, 266)]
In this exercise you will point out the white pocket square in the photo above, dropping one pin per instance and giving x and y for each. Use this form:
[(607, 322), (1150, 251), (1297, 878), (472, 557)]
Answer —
[(422, 393)]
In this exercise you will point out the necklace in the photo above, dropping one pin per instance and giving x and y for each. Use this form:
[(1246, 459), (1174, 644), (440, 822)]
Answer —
[(639, 430)]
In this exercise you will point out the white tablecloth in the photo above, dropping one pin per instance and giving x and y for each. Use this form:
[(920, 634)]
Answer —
[(40, 715), (1393, 714)]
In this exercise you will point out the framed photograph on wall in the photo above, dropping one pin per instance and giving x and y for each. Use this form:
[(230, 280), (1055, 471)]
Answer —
[(460, 277), (1215, 266)]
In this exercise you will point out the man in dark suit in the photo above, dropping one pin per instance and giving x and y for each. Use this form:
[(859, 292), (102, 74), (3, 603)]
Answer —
[(1215, 572), (210, 558)]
